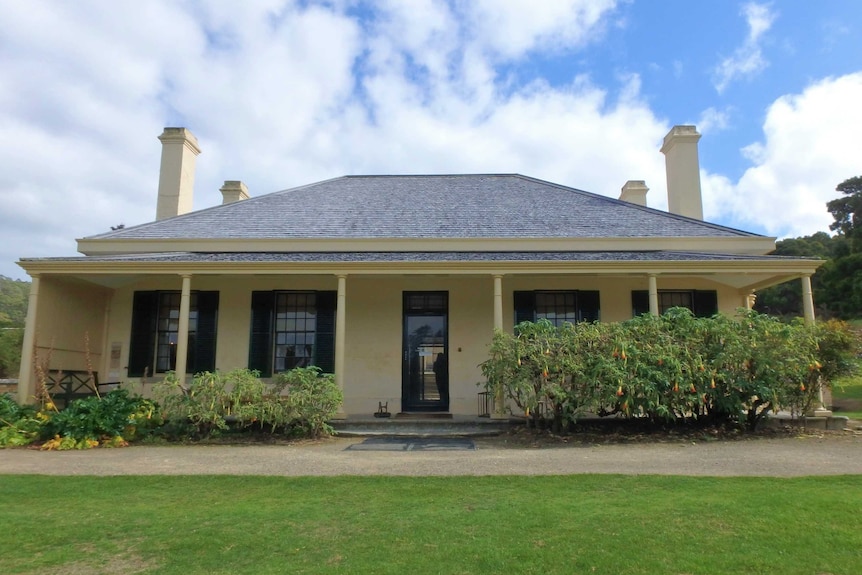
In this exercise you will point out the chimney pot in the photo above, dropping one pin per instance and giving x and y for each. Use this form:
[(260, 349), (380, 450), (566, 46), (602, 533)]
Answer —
[(233, 191), (177, 173), (634, 192)]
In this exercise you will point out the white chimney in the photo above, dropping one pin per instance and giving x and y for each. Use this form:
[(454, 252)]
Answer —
[(233, 191), (683, 172), (634, 192), (177, 175)]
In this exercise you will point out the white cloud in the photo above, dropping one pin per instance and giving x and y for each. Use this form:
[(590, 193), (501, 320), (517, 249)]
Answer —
[(282, 93), (748, 59), (810, 145), (713, 120), (512, 28)]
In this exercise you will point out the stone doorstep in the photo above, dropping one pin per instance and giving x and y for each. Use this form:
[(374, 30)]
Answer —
[(394, 427)]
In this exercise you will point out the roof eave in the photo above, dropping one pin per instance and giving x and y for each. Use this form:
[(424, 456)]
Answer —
[(751, 245), (765, 266)]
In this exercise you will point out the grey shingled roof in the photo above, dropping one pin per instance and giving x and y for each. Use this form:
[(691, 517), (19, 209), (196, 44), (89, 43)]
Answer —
[(444, 206), (314, 257)]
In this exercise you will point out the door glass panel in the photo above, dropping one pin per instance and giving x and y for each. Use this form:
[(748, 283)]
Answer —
[(427, 365)]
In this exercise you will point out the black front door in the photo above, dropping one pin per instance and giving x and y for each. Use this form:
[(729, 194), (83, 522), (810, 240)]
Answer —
[(425, 370)]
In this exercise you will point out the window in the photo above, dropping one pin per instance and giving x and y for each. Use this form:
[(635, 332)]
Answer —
[(292, 329), (703, 303), (155, 329), (557, 307), (295, 326)]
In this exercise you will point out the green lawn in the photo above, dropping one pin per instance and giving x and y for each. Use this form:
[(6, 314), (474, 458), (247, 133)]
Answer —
[(847, 397), (460, 525)]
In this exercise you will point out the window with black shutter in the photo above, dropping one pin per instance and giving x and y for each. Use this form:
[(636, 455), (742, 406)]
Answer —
[(703, 303), (292, 329), (557, 307), (155, 327)]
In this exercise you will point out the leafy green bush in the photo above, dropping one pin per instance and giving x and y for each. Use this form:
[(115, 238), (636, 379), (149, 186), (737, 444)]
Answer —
[(111, 419), (19, 425), (203, 402), (839, 347), (313, 398), (212, 401), (671, 368)]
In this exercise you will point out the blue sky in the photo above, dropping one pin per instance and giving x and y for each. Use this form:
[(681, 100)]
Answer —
[(281, 93)]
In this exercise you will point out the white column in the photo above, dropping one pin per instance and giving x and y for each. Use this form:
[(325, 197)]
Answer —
[(808, 314), (653, 295), (340, 335), (499, 399), (748, 300), (807, 300), (498, 302), (26, 383), (183, 329), (105, 365)]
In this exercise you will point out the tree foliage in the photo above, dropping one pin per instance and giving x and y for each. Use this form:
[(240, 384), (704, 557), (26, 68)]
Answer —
[(847, 210), (837, 284), (13, 311), (786, 299), (13, 302)]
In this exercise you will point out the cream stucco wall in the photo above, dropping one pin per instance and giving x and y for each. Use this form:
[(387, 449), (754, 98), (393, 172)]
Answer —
[(70, 325), (373, 350), (374, 338)]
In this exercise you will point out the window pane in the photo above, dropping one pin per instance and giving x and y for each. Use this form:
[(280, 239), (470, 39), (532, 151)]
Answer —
[(294, 330), (556, 307), (168, 325), (669, 299)]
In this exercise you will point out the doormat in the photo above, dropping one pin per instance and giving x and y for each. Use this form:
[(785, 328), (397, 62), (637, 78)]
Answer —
[(423, 415), (414, 444)]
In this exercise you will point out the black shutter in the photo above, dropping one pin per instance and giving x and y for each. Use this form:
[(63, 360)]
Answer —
[(705, 303), (525, 306), (324, 337), (260, 346), (142, 343), (588, 306), (640, 302), (202, 351)]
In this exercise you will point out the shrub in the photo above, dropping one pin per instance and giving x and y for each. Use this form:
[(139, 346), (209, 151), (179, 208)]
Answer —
[(838, 349), (671, 368), (111, 419), (313, 398), (213, 400), (19, 425)]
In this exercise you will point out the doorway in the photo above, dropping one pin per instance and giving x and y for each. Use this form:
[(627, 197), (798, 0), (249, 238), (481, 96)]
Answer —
[(425, 352)]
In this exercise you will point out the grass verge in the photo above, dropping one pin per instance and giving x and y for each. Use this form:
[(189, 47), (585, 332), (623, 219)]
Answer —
[(565, 524), (847, 396)]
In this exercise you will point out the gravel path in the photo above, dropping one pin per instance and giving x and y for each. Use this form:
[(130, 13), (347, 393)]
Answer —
[(785, 457)]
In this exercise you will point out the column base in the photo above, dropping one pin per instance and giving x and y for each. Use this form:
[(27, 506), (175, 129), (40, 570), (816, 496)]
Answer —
[(499, 416)]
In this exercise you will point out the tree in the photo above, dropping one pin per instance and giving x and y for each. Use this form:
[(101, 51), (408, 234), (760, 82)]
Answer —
[(11, 340), (786, 299), (847, 211), (842, 277), (13, 311), (13, 302)]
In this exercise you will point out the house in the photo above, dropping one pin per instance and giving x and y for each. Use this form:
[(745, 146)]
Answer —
[(394, 283)]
